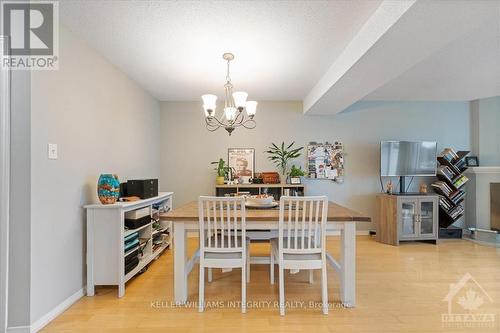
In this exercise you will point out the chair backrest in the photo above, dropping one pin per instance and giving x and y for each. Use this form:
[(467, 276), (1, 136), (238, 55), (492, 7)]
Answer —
[(302, 224), (222, 220)]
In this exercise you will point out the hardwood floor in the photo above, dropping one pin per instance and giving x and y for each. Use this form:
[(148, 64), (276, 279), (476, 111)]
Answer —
[(399, 289)]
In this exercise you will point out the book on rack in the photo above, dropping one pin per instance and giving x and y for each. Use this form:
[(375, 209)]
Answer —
[(456, 211), (442, 187), (449, 154), (443, 202), (460, 181), (459, 195), (446, 172)]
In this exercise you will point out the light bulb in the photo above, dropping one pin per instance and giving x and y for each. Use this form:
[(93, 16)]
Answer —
[(230, 113)]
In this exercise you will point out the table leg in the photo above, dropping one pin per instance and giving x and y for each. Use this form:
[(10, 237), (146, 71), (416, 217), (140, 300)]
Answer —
[(348, 265), (180, 255)]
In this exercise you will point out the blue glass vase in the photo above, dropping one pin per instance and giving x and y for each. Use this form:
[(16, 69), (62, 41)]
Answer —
[(108, 188)]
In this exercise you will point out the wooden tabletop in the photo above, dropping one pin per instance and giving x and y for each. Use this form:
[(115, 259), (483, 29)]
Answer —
[(336, 212)]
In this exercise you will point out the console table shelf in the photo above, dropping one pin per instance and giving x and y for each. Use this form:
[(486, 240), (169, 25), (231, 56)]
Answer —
[(105, 240), (277, 190)]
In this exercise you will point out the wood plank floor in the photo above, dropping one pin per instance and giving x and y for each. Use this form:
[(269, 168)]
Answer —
[(399, 289)]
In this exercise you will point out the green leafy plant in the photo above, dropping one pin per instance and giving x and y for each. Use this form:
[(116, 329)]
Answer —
[(222, 169), (296, 172), (282, 155)]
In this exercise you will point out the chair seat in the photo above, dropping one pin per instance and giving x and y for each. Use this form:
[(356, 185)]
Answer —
[(226, 255), (288, 256)]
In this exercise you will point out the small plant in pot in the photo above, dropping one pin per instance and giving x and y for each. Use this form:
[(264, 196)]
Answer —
[(295, 174), (222, 170), (282, 155)]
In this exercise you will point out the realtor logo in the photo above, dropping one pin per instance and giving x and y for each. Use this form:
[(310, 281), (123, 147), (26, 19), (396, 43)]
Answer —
[(468, 294), (33, 29)]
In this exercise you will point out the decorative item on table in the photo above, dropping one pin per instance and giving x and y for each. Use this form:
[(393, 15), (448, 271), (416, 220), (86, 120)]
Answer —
[(108, 188), (245, 180), (472, 161), (260, 201), (295, 174), (257, 179), (390, 187), (222, 171), (242, 161), (270, 177), (326, 161), (423, 188), (282, 155)]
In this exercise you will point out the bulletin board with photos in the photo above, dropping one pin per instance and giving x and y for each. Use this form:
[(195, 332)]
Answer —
[(326, 161)]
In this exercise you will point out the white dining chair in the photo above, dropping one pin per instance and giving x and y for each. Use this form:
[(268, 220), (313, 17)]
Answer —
[(223, 242), (301, 242)]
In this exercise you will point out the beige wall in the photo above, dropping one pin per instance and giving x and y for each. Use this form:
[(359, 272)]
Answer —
[(188, 148), (103, 122)]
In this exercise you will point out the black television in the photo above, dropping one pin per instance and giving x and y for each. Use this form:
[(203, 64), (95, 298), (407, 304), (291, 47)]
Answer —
[(408, 159)]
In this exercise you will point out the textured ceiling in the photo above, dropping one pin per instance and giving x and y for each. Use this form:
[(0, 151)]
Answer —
[(174, 48)]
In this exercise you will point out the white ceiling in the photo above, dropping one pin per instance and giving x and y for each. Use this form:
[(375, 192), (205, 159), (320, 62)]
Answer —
[(465, 69), (174, 48), (330, 54), (425, 54)]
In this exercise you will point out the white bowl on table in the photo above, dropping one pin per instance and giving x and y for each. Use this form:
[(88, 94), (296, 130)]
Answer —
[(259, 200)]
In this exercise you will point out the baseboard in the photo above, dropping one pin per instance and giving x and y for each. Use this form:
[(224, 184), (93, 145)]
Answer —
[(18, 329), (51, 315)]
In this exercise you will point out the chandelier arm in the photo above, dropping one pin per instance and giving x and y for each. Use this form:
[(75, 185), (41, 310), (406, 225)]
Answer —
[(213, 122), (212, 129), (249, 124), (239, 118)]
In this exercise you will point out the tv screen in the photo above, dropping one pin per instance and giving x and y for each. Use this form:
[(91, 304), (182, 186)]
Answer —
[(408, 158)]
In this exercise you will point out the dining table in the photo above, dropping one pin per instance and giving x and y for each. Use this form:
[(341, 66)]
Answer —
[(262, 224)]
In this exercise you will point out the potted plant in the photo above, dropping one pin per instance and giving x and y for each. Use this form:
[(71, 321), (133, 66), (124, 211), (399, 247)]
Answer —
[(282, 155), (222, 169), (295, 174)]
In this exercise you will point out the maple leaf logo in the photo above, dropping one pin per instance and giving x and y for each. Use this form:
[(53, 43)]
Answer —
[(471, 300)]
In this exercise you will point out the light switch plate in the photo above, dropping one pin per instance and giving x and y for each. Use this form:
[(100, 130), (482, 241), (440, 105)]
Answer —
[(52, 151)]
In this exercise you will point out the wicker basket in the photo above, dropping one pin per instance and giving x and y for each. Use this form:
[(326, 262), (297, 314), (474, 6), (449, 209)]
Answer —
[(271, 177)]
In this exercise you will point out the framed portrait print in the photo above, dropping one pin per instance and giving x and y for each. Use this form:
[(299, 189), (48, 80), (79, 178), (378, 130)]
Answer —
[(242, 161)]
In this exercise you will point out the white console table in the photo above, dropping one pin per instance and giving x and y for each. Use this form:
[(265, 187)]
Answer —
[(105, 241)]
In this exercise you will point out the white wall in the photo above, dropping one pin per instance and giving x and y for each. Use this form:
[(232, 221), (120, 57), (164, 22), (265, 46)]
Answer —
[(485, 130), (103, 122), (20, 187), (188, 148)]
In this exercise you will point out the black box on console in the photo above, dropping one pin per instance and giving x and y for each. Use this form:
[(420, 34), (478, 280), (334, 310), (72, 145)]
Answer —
[(142, 188)]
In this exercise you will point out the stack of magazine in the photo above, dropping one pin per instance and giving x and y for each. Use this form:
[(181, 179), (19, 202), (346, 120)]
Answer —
[(449, 154), (460, 181), (442, 187), (446, 172)]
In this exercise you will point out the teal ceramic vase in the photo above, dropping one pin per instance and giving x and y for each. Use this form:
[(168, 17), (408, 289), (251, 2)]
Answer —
[(108, 189)]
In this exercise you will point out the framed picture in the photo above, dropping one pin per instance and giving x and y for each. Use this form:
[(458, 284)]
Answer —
[(472, 161), (242, 160), (295, 180)]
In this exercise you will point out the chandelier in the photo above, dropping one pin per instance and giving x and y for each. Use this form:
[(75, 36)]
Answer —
[(234, 104)]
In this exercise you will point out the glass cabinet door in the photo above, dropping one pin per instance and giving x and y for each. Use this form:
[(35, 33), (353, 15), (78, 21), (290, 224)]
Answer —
[(408, 218), (426, 217)]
